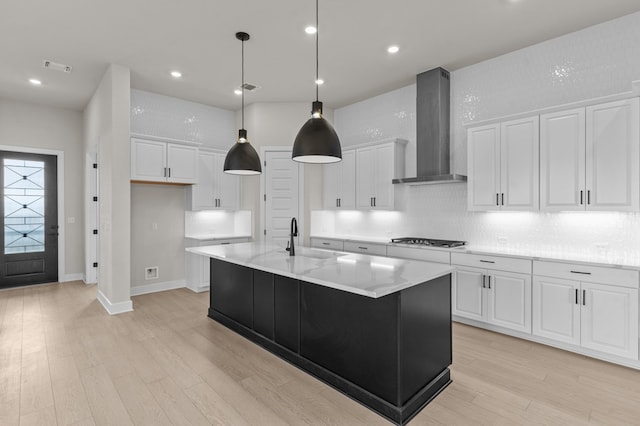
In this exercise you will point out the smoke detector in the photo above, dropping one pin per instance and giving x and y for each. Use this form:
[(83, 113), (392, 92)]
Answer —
[(57, 66)]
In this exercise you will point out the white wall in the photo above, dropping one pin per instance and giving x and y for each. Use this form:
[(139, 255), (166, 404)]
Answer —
[(597, 61), (34, 126), (107, 124)]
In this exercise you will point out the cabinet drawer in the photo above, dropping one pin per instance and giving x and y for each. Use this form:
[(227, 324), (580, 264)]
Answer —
[(328, 244), (223, 242), (577, 272), (366, 248), (510, 264), (440, 256)]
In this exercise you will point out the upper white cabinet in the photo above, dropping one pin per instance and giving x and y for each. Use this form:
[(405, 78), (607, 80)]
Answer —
[(156, 161), (590, 158), (339, 182), (376, 167), (215, 189), (503, 166)]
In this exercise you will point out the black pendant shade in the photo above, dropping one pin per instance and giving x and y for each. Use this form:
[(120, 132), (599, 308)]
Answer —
[(242, 158), (317, 141)]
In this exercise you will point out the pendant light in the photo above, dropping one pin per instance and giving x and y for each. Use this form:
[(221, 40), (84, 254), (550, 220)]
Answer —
[(242, 158), (316, 141)]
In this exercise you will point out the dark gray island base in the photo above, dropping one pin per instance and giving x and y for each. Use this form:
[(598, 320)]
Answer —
[(391, 353)]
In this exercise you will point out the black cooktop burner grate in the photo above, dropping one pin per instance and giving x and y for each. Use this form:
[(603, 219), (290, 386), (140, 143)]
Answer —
[(429, 242)]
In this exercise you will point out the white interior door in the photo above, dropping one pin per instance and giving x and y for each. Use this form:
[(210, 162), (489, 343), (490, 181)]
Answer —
[(282, 179)]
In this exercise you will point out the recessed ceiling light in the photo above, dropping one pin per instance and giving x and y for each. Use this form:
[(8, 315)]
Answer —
[(238, 92), (393, 49), (310, 30), (176, 74), (35, 82), (319, 81)]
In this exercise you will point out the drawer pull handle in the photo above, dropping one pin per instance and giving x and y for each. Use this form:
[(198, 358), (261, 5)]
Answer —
[(222, 244), (584, 297), (326, 244), (577, 296), (363, 248), (484, 278), (580, 272), (487, 261)]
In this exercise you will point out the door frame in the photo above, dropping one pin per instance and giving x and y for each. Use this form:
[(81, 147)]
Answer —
[(263, 190), (62, 276)]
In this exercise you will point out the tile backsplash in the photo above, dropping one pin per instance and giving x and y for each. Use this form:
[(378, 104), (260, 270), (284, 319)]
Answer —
[(158, 115), (597, 61)]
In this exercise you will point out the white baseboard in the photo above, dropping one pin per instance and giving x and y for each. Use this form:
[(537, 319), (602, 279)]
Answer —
[(71, 277), (114, 308), (198, 289), (156, 287)]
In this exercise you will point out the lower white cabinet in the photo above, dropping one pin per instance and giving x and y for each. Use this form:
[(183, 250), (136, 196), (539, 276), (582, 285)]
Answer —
[(327, 243), (600, 316), (499, 293), (372, 249), (197, 266)]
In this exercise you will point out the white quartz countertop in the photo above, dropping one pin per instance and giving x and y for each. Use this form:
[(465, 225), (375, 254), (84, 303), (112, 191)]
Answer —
[(214, 237), (371, 276), (605, 259)]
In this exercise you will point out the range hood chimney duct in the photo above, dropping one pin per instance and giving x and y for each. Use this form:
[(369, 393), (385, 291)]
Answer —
[(433, 142)]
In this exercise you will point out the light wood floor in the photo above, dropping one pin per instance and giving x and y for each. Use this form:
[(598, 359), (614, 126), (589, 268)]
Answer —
[(64, 361)]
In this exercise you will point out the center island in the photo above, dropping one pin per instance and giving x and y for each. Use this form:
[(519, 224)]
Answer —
[(378, 329)]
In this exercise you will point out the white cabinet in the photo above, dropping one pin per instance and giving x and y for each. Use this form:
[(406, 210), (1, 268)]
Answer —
[(198, 267), (601, 316), (327, 243), (376, 167), (503, 166), (156, 161), (498, 297), (214, 188), (372, 249), (590, 158), (419, 253), (339, 182)]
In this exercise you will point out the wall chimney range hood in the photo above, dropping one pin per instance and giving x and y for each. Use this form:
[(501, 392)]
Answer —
[(432, 142)]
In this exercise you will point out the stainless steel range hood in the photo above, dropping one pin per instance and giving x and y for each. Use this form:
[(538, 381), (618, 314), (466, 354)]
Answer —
[(432, 143)]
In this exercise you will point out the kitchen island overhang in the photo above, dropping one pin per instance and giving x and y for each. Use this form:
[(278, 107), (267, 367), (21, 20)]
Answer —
[(386, 343)]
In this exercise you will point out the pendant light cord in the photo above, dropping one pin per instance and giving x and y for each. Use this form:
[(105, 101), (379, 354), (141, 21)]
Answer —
[(317, 67), (242, 87)]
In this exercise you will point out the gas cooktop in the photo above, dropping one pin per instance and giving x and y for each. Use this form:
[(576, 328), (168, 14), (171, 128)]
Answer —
[(428, 242)]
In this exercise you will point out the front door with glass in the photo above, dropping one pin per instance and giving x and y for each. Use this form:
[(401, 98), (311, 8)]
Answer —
[(29, 228)]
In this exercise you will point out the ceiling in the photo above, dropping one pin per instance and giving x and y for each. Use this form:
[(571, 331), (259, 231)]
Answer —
[(197, 37)]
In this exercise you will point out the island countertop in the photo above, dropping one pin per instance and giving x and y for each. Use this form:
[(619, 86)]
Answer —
[(371, 276)]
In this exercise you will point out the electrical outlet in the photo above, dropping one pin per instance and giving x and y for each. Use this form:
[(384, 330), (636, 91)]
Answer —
[(151, 273), (154, 226), (502, 240)]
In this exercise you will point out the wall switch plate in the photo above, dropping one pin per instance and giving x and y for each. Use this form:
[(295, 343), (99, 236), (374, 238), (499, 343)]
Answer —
[(71, 219), (154, 226)]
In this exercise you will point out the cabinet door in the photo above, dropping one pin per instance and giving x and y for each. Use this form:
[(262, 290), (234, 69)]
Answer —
[(613, 156), (468, 295), (203, 191), (364, 177), (483, 167), (556, 309), (384, 161), (562, 160), (509, 300), (148, 160), (331, 184), (182, 163), (519, 164), (226, 186), (610, 319), (348, 180)]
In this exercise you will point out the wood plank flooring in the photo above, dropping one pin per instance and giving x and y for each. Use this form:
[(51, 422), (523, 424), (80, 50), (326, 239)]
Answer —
[(65, 361)]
